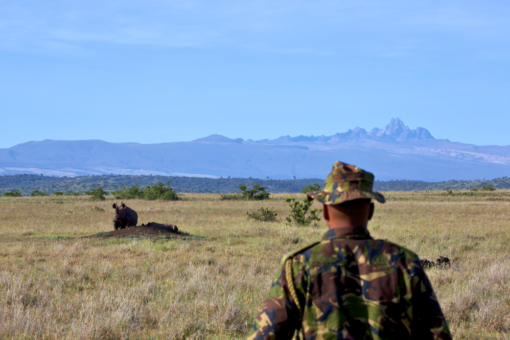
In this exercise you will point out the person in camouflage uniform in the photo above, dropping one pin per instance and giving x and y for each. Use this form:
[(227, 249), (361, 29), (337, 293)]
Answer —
[(349, 285)]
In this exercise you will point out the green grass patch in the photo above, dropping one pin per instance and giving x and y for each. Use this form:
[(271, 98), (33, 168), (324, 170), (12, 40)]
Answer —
[(53, 236), (102, 234)]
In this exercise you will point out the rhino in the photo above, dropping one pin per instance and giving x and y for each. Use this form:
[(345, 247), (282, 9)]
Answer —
[(168, 227), (124, 216), (441, 262)]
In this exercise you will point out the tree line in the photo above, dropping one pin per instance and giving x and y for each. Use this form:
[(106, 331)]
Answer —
[(26, 184)]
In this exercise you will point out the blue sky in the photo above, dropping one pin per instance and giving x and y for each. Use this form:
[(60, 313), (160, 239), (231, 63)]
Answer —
[(160, 71)]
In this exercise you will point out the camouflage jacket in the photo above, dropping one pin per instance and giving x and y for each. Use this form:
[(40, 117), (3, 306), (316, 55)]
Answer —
[(351, 286)]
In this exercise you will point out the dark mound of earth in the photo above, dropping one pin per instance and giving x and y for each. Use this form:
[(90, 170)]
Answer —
[(140, 232)]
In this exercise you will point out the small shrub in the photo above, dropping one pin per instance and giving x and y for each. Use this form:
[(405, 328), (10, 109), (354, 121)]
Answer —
[(58, 193), (473, 189), (257, 192), (232, 196), (300, 212), (13, 193), (448, 191), (97, 194), (97, 209), (310, 188), (73, 193), (486, 187), (38, 193), (263, 215)]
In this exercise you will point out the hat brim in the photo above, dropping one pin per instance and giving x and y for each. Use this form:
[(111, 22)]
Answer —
[(338, 197)]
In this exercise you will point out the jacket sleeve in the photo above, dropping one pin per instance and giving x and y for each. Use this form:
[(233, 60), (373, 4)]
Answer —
[(428, 321), (278, 317)]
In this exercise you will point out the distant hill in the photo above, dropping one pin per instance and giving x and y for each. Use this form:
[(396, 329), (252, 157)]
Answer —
[(27, 183), (392, 153)]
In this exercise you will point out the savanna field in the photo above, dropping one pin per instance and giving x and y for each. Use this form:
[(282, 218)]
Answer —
[(58, 283)]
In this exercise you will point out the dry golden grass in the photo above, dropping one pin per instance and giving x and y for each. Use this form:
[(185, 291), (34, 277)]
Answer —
[(54, 284)]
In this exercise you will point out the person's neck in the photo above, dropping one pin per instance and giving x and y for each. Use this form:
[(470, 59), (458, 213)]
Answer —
[(346, 224)]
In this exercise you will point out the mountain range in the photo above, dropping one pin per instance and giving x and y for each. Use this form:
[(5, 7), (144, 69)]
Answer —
[(395, 152)]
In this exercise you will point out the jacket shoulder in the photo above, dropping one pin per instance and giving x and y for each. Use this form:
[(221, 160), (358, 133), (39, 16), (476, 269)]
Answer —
[(297, 251), (397, 248)]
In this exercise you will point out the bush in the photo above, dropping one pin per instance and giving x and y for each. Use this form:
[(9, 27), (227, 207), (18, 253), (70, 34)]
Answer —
[(73, 193), (263, 215), (232, 196), (310, 188), (38, 193), (486, 187), (97, 194), (257, 192), (129, 192), (159, 191), (300, 212), (13, 193), (58, 193), (448, 191)]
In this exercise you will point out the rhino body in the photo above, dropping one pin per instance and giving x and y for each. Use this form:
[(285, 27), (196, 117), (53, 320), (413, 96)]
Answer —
[(441, 262), (167, 227), (124, 216)]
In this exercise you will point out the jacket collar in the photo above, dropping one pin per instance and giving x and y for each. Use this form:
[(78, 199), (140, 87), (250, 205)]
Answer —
[(359, 233)]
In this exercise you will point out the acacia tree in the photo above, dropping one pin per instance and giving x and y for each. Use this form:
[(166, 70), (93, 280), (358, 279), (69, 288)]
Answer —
[(310, 188)]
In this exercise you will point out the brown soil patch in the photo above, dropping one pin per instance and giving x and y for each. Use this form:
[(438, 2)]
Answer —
[(141, 232)]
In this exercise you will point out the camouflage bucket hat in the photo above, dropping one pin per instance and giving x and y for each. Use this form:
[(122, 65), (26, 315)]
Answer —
[(346, 183)]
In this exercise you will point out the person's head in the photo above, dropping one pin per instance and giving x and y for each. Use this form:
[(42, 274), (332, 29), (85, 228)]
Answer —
[(347, 195), (355, 213)]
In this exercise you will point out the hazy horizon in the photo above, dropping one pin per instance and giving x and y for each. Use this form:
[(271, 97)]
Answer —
[(239, 137)]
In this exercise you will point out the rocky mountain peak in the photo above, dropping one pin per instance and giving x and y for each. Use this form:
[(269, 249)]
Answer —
[(397, 131)]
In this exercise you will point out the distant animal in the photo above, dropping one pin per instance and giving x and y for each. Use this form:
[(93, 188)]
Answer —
[(124, 216), (426, 263), (167, 227), (441, 262)]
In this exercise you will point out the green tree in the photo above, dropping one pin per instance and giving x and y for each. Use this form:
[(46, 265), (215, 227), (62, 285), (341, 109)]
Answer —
[(13, 193), (38, 193), (310, 188), (257, 192), (132, 192), (97, 194), (300, 212), (486, 187), (160, 191)]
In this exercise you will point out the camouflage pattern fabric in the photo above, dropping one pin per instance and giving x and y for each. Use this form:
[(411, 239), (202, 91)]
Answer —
[(345, 183), (351, 286)]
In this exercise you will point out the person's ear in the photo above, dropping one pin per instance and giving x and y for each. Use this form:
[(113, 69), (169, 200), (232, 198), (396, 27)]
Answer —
[(371, 211), (325, 212)]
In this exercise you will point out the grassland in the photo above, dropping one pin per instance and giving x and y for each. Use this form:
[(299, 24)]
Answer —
[(55, 283)]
